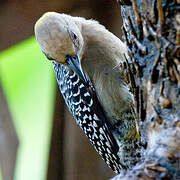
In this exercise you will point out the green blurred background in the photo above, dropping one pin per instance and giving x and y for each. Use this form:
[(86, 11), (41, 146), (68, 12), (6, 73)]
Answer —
[(33, 117), (29, 85)]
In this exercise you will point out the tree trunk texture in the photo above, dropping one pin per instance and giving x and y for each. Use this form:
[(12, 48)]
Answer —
[(152, 34)]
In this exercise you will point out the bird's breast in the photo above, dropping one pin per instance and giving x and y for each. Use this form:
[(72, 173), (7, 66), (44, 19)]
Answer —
[(113, 94)]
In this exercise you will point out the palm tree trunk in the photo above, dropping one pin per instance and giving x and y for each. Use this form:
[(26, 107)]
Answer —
[(152, 33)]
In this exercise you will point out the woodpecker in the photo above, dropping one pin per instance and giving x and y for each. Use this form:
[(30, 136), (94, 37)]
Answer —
[(87, 61)]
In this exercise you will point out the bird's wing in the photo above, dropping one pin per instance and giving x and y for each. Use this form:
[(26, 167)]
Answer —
[(82, 101)]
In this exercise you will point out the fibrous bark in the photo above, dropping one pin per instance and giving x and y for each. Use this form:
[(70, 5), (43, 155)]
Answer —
[(152, 34)]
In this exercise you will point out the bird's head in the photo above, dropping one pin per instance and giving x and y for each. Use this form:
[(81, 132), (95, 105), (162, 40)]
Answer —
[(60, 39)]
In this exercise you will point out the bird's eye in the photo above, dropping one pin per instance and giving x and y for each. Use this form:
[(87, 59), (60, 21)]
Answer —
[(74, 36)]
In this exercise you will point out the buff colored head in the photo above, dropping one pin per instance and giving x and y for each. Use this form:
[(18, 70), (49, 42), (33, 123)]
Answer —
[(58, 36)]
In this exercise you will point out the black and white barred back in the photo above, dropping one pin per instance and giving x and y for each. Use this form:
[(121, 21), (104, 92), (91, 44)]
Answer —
[(82, 101)]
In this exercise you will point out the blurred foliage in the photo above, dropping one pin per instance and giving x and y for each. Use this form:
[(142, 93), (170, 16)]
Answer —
[(29, 85)]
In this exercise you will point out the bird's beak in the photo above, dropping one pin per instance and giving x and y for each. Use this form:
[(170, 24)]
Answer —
[(74, 63)]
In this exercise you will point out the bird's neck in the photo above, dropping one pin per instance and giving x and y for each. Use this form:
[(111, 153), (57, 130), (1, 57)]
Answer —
[(103, 53)]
